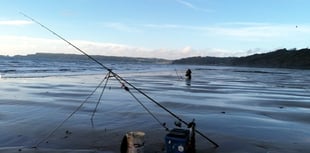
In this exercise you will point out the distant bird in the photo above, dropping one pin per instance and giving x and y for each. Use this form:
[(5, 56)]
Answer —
[(296, 26)]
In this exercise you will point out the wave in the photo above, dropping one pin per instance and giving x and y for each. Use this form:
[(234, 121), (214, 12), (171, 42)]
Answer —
[(7, 71)]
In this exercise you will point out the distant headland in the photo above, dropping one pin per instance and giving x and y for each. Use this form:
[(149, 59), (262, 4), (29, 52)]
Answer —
[(281, 58), (80, 57)]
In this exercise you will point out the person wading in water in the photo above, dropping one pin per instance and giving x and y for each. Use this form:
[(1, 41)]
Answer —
[(188, 74)]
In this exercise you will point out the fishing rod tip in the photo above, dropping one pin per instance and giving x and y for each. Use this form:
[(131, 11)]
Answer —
[(22, 13), (216, 146)]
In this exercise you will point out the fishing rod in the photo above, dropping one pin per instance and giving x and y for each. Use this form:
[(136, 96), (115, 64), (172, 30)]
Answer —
[(178, 76), (119, 77)]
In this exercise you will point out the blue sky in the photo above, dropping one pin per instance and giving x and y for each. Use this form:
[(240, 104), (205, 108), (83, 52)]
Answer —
[(168, 29)]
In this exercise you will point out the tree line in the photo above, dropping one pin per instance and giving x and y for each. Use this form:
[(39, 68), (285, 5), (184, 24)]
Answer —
[(281, 58)]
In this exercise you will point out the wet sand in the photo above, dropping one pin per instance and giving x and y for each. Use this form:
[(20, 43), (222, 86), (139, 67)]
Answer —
[(241, 109)]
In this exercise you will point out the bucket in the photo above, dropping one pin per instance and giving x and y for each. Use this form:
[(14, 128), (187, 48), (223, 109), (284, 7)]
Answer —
[(135, 142), (177, 141)]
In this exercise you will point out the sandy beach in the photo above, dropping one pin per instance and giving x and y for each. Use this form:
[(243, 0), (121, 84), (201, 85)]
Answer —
[(244, 110)]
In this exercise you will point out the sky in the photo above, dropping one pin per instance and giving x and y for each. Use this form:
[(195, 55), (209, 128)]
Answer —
[(169, 29)]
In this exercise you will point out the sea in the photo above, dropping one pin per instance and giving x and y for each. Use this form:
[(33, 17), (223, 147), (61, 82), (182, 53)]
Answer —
[(49, 104)]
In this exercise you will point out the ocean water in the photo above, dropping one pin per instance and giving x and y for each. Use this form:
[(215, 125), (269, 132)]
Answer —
[(241, 109)]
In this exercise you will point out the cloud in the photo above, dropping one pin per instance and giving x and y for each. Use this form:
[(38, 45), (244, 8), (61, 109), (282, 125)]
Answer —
[(22, 45), (120, 27), (186, 4), (16, 45), (226, 39), (15, 22), (259, 31), (164, 26), (245, 31), (192, 6), (237, 29), (112, 49)]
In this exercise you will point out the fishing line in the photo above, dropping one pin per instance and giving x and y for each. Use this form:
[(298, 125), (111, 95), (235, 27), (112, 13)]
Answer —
[(120, 78), (77, 109), (107, 76), (162, 124)]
